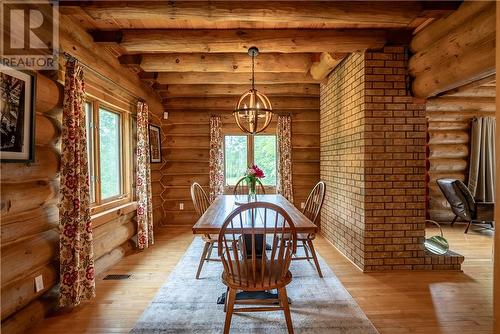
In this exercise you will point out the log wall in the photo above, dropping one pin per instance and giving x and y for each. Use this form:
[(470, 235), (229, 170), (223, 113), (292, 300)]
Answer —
[(29, 192), (449, 123), (185, 150), (454, 50)]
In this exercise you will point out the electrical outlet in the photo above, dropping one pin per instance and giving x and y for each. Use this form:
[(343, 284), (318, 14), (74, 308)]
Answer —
[(165, 115), (302, 205), (181, 206), (38, 283)]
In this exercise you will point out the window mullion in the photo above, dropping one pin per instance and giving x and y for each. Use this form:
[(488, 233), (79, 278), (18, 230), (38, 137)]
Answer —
[(97, 165), (250, 153)]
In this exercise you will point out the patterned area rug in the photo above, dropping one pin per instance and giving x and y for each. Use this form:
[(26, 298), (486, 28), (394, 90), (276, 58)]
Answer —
[(187, 305)]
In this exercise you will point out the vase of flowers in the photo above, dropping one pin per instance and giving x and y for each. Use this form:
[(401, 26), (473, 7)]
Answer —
[(253, 176)]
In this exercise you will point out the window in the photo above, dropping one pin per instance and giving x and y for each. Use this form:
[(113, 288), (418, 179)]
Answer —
[(106, 155), (264, 149), (241, 151)]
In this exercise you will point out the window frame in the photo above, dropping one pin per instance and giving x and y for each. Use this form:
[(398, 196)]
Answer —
[(125, 127), (228, 189)]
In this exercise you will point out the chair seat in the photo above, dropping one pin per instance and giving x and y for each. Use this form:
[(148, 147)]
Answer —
[(240, 281)]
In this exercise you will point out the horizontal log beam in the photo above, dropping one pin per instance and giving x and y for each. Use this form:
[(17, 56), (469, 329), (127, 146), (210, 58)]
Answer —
[(236, 90), (320, 70), (331, 14), (481, 91), (455, 43), (208, 103), (452, 103), (442, 27), (227, 41), (221, 62), (188, 78)]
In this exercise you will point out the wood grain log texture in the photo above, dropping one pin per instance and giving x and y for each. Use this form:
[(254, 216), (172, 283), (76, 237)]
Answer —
[(229, 41), (186, 151), (108, 260), (449, 120), (460, 49), (32, 314), (204, 90), (330, 14)]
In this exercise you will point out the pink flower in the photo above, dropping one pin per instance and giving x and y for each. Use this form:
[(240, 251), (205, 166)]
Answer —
[(88, 226), (76, 204), (139, 181), (255, 171), (69, 278), (140, 210), (70, 182), (142, 239), (90, 273), (70, 231)]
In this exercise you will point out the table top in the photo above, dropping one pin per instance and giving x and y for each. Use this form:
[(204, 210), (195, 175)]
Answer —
[(211, 221)]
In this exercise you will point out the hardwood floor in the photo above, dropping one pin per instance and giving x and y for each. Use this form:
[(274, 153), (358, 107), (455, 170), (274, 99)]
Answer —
[(396, 302)]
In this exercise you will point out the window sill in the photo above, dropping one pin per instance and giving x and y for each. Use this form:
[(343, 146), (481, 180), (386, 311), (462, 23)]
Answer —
[(110, 214)]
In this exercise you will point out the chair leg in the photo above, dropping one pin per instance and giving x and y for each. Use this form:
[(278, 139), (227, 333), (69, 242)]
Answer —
[(225, 300), (454, 220), (305, 249), (210, 251), (315, 258), (286, 309), (230, 307), (202, 259), (467, 228)]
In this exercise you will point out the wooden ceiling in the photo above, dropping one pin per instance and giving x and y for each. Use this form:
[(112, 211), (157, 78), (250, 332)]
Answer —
[(198, 49)]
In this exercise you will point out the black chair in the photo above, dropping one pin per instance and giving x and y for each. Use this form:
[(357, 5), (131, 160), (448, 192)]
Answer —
[(463, 204)]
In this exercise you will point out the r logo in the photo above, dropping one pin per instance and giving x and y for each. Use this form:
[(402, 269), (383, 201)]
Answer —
[(30, 36)]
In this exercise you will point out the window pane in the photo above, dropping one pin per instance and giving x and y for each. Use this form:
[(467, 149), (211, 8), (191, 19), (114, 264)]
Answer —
[(110, 157), (236, 158), (90, 148), (265, 157)]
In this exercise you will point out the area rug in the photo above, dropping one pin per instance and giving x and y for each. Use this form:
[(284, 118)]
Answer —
[(187, 305)]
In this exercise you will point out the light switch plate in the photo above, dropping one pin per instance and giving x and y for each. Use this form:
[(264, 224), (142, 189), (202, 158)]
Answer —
[(165, 115), (38, 283), (181, 206), (302, 205)]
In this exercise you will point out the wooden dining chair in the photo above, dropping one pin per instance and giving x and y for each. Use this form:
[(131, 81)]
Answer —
[(201, 204), (311, 210), (241, 187), (248, 266)]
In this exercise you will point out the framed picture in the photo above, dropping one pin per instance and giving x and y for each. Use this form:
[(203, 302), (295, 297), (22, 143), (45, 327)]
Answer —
[(17, 108), (154, 144)]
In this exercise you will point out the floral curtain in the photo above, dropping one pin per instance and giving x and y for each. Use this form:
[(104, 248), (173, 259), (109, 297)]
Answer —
[(216, 158), (143, 180), (284, 134), (75, 241)]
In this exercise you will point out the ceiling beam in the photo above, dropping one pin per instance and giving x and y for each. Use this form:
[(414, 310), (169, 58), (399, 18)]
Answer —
[(229, 103), (326, 64), (236, 90), (220, 62), (227, 41), (207, 78), (329, 14)]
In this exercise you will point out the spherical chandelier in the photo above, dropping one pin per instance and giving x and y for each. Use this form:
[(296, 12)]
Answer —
[(253, 113)]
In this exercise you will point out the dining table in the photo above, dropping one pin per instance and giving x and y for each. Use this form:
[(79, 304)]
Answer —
[(212, 220)]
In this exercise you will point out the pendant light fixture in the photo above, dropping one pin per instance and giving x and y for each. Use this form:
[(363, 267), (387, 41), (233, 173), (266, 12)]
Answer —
[(253, 113)]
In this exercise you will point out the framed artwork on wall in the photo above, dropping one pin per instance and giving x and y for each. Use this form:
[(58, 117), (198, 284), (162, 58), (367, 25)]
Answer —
[(154, 143), (17, 115)]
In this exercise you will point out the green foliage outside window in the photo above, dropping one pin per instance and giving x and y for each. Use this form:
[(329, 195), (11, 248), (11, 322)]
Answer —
[(110, 161)]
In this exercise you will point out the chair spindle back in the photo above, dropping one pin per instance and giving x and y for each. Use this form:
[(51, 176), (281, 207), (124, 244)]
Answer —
[(200, 199), (242, 245), (315, 201)]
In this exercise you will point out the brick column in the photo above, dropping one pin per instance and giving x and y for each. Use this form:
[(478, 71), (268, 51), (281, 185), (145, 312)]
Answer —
[(373, 161)]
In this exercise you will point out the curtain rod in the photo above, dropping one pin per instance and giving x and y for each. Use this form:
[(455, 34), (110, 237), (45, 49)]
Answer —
[(69, 56)]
